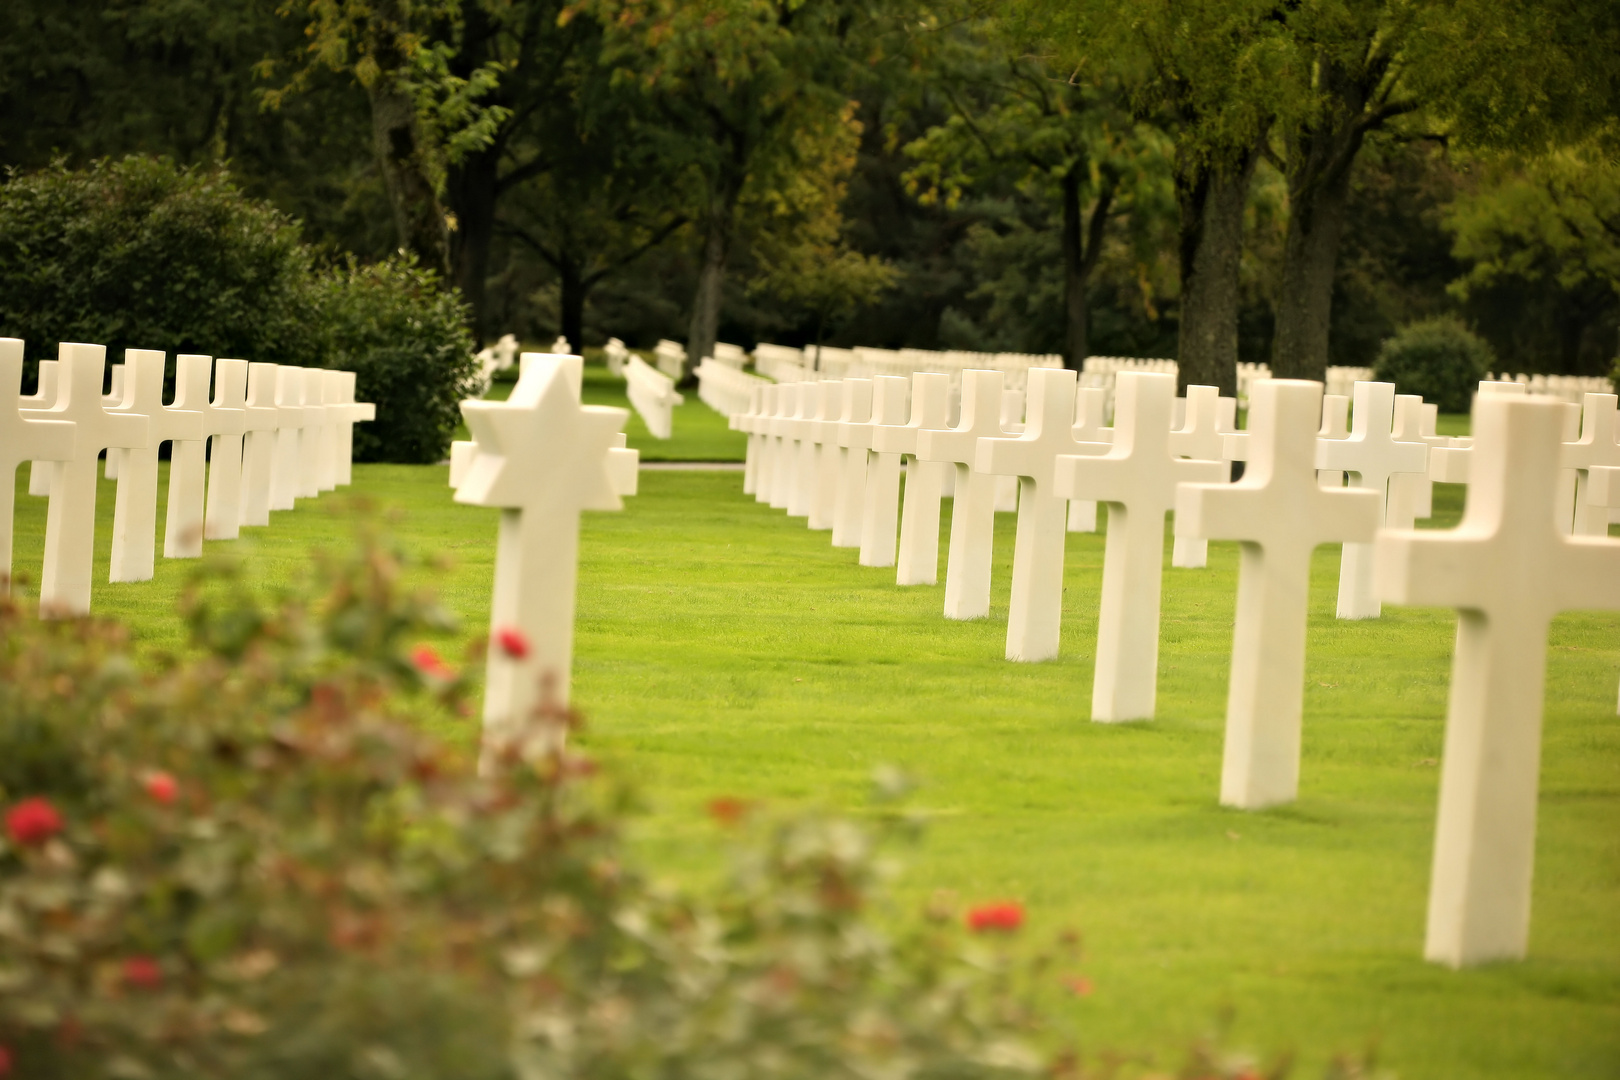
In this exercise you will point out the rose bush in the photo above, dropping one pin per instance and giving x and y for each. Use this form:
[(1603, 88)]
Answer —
[(252, 862)]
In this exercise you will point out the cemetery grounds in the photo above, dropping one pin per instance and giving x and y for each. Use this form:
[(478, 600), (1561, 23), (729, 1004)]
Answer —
[(724, 650)]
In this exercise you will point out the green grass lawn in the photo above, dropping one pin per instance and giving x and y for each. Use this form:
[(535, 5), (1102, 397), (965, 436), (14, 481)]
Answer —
[(723, 649)]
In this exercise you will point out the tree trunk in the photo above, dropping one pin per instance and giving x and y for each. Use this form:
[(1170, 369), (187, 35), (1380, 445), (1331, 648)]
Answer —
[(418, 218), (471, 190), (1075, 330), (1211, 201), (705, 325), (574, 291), (1305, 294)]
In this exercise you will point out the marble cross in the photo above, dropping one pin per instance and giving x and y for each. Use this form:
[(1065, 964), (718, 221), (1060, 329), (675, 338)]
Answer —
[(973, 507), (44, 396), (541, 457), (1137, 480), (259, 447), (1199, 437), (21, 440), (70, 520), (188, 461), (312, 436), (1508, 571), (134, 535), (813, 401), (290, 409), (349, 413), (747, 423), (1035, 612), (1280, 514), (1371, 455), (1090, 403), (824, 439), (1335, 425), (918, 560), (785, 450), (1411, 495), (850, 445), (881, 514), (111, 399), (225, 423), (1596, 448)]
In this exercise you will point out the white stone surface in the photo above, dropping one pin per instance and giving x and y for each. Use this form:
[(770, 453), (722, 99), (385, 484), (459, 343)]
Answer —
[(70, 520), (312, 439), (1597, 447), (350, 413), (21, 440), (1198, 434), (1369, 457), (134, 535), (1035, 610), (1508, 571), (783, 429), (1411, 494), (1280, 514), (1090, 403), (824, 437), (39, 475), (290, 409), (653, 394), (817, 401), (542, 458), (854, 442), (1137, 480), (188, 462), (880, 516), (918, 559), (259, 443), (224, 425), (1335, 425), (615, 353), (111, 399), (973, 507)]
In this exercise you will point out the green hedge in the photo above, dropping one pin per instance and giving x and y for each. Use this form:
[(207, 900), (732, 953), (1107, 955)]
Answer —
[(139, 253), (1441, 359)]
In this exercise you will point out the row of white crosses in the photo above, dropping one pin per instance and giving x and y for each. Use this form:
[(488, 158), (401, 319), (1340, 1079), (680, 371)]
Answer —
[(540, 457), (278, 433), (1507, 566)]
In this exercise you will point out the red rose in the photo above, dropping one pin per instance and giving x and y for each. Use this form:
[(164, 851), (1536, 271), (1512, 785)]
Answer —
[(728, 809), (32, 822), (5, 1061), (143, 973), (427, 660), (1006, 915), (513, 642), (161, 786)]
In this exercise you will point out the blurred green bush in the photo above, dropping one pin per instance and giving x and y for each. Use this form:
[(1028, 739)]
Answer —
[(139, 253), (1440, 359)]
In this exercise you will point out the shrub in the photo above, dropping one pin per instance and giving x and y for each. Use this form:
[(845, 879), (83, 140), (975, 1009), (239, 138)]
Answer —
[(407, 340), (140, 253), (1441, 359)]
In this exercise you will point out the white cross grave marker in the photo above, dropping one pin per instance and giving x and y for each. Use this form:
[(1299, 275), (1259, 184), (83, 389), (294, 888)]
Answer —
[(1280, 514), (918, 560), (1090, 403), (850, 444), (188, 462), (312, 436), (348, 413), (1596, 448), (812, 403), (21, 440), (1507, 570), (1137, 478), (1411, 495), (134, 535), (1035, 612), (973, 507), (70, 520), (284, 465), (259, 446), (1199, 437), (542, 458), (225, 423), (111, 399), (824, 440), (880, 516), (779, 430), (1371, 455), (44, 396), (747, 423), (1335, 425)]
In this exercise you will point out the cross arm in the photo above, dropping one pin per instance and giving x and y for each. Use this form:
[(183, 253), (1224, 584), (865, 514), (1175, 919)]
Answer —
[(1438, 568), (48, 440)]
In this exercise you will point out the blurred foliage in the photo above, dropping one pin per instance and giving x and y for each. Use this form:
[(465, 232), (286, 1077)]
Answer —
[(1438, 359)]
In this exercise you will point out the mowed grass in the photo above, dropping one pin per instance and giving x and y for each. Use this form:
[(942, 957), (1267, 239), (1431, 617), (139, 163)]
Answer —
[(724, 649)]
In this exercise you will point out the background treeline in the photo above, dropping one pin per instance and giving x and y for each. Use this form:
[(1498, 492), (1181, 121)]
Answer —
[(1206, 179)]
